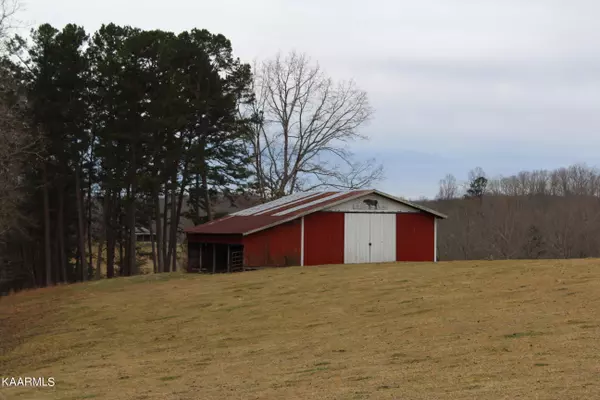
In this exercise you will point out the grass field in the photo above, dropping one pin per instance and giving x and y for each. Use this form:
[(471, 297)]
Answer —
[(464, 330)]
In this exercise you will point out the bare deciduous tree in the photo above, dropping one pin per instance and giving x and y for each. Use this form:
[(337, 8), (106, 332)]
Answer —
[(304, 124), (549, 214), (476, 173), (448, 188), (8, 9)]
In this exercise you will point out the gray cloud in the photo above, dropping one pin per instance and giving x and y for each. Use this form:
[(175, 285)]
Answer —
[(506, 85)]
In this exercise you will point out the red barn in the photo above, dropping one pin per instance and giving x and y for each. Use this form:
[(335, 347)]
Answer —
[(316, 228)]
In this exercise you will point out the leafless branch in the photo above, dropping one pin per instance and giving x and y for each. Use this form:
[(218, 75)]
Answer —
[(307, 120)]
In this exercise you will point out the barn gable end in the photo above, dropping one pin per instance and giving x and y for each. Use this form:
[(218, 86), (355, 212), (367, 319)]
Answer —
[(372, 203)]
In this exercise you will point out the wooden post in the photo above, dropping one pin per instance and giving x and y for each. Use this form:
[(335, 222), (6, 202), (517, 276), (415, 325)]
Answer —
[(189, 256), (228, 258), (200, 253), (214, 258)]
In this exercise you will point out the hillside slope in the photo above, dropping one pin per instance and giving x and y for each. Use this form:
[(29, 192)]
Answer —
[(418, 331)]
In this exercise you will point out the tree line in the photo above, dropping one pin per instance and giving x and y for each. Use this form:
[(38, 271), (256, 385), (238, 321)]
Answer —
[(108, 131), (530, 215)]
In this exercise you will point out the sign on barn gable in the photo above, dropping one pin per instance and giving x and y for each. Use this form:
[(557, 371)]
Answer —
[(372, 203), (368, 205)]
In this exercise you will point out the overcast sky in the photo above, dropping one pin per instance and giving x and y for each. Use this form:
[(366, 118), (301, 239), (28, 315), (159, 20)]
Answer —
[(505, 85)]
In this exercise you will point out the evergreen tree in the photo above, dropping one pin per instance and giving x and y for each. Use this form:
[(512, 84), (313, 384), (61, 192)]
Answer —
[(132, 121), (477, 187), (53, 69)]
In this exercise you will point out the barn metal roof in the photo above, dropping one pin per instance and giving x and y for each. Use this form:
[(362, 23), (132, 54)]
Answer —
[(285, 209)]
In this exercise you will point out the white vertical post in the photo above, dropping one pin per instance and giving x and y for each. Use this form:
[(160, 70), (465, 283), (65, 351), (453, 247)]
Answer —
[(302, 242), (435, 221)]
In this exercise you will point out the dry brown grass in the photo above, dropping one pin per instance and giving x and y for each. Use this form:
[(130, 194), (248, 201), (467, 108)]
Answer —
[(464, 330)]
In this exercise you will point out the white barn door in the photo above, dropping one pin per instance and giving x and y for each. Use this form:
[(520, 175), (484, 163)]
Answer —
[(383, 237), (356, 238), (369, 238)]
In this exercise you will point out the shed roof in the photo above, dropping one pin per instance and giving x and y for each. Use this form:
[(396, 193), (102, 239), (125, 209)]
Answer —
[(288, 208), (140, 230)]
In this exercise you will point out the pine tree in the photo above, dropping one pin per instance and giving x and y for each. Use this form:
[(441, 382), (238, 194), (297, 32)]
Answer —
[(53, 70), (477, 187)]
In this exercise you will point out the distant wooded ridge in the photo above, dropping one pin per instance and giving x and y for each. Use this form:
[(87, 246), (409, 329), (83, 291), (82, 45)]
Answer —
[(530, 215)]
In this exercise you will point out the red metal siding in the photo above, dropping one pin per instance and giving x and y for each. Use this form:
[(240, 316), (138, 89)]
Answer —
[(275, 247), (415, 237), (324, 238)]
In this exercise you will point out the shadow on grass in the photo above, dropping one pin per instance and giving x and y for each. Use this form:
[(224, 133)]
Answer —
[(522, 334)]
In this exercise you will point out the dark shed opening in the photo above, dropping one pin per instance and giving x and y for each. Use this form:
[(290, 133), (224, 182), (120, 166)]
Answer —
[(215, 258)]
